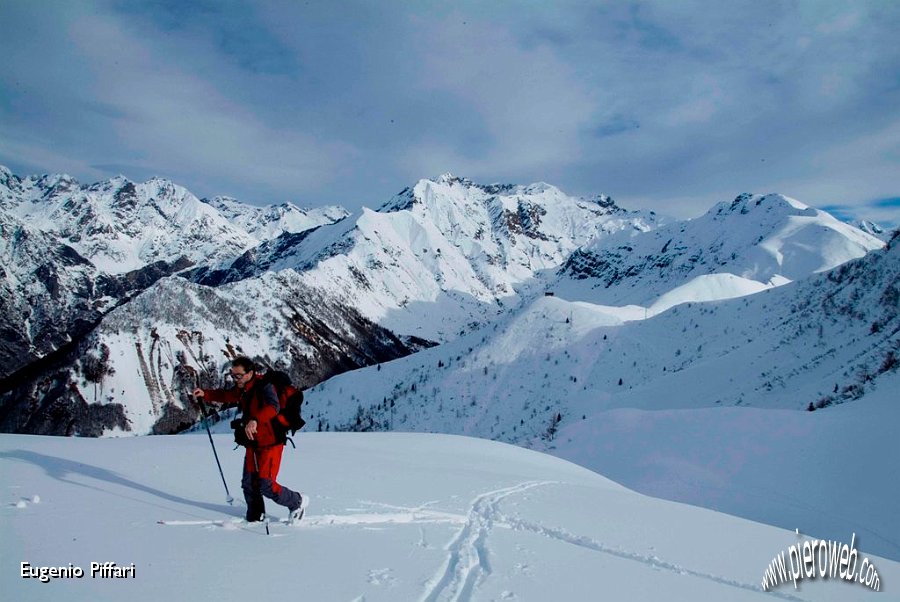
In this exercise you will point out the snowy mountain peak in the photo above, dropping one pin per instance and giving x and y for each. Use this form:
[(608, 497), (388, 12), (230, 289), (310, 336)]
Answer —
[(780, 217), (449, 179), (57, 184), (746, 203), (608, 203), (754, 242), (508, 204), (9, 179), (269, 222), (121, 225), (870, 227), (874, 229), (462, 245), (538, 211)]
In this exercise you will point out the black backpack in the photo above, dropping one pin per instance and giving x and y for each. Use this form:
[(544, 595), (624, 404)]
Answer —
[(290, 398)]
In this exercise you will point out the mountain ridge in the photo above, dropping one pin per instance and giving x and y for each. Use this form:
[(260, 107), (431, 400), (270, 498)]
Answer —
[(441, 260), (763, 240)]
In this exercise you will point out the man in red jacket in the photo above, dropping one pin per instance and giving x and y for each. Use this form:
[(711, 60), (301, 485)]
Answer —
[(258, 403)]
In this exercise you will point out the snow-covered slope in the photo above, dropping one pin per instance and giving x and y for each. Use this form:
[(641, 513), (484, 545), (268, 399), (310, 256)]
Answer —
[(736, 248), (393, 517), (767, 465)]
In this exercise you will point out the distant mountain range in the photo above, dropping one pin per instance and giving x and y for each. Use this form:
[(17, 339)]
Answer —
[(118, 296)]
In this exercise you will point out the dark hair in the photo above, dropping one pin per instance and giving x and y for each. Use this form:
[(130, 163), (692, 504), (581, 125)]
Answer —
[(243, 362)]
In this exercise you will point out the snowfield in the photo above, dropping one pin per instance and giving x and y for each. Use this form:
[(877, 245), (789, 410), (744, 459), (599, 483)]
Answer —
[(826, 473), (393, 517)]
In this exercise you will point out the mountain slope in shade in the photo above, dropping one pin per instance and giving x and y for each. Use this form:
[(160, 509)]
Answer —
[(759, 240), (51, 296), (145, 357), (766, 465), (48, 294), (393, 517)]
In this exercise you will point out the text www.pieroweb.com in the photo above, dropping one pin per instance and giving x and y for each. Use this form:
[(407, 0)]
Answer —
[(817, 558)]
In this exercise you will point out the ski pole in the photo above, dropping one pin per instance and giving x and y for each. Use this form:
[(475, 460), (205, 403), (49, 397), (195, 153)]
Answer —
[(229, 499)]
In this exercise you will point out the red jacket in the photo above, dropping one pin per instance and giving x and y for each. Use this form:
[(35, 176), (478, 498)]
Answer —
[(256, 401)]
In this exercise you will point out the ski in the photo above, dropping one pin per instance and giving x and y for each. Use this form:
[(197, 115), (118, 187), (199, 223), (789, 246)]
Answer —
[(292, 520), (178, 523), (234, 522)]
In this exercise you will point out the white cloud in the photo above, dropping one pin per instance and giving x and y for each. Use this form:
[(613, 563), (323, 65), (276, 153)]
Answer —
[(531, 101), (180, 123), (841, 23)]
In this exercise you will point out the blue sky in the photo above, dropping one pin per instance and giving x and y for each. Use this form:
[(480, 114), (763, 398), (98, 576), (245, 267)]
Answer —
[(672, 106)]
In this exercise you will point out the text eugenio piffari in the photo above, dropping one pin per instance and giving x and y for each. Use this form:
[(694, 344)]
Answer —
[(98, 570)]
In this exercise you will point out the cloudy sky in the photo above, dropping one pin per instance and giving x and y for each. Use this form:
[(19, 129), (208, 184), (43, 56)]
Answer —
[(669, 105)]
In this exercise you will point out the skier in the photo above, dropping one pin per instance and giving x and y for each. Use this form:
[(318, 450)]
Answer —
[(258, 403)]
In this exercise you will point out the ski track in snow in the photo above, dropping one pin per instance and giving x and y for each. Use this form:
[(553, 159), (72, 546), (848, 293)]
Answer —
[(468, 562), (328, 520), (652, 561)]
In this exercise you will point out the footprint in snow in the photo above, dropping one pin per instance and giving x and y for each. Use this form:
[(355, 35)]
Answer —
[(382, 577), (24, 501)]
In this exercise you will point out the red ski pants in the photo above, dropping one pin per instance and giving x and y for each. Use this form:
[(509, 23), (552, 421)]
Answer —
[(263, 464)]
